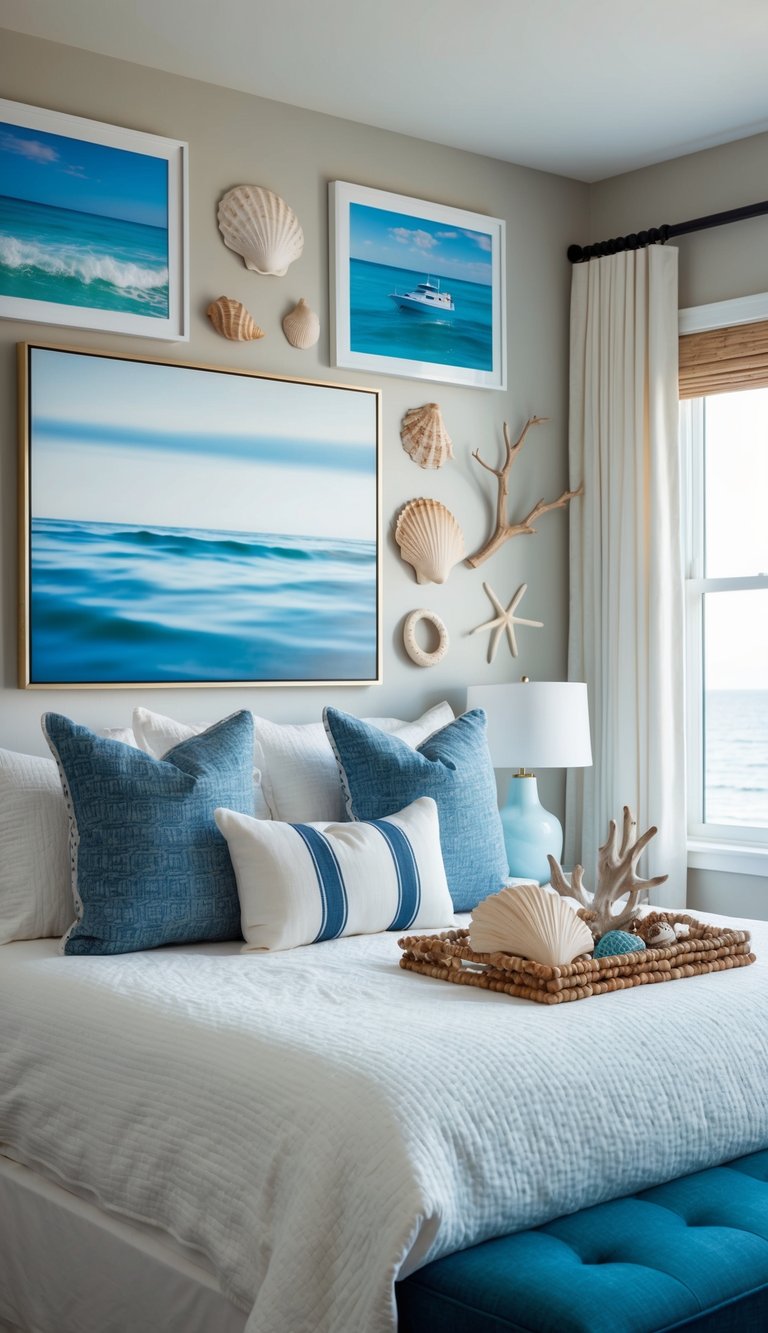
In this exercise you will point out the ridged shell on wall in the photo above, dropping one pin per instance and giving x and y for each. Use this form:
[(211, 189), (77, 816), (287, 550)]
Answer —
[(430, 539), (260, 227), (424, 436), (530, 922), (301, 325), (232, 320)]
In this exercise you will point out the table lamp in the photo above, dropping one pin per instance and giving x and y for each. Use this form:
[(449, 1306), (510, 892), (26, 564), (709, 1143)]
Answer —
[(533, 724)]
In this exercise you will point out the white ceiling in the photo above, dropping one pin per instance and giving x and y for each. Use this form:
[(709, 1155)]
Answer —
[(584, 88)]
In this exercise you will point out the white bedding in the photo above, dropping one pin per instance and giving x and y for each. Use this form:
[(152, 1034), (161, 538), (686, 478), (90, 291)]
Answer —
[(320, 1122)]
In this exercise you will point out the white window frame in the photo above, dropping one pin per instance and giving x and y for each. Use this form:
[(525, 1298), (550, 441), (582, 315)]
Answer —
[(726, 847)]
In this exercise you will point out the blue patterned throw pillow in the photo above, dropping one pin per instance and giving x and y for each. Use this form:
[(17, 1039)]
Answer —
[(380, 774), (149, 866)]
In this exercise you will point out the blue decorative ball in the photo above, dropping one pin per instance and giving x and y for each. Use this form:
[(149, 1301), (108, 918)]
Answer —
[(618, 941)]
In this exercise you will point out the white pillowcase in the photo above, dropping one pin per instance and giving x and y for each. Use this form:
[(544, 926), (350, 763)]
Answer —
[(303, 883), (35, 880), (156, 734), (299, 773), (297, 777)]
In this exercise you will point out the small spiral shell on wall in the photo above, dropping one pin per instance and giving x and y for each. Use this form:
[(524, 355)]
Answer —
[(233, 321), (424, 437)]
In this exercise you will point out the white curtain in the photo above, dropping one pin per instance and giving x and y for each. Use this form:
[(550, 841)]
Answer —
[(626, 602)]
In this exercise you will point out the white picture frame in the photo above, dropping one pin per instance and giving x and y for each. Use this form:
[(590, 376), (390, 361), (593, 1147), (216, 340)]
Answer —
[(93, 225), (391, 258)]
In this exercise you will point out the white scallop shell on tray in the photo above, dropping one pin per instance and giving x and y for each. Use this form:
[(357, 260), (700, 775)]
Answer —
[(424, 437), (430, 539), (530, 922), (260, 227)]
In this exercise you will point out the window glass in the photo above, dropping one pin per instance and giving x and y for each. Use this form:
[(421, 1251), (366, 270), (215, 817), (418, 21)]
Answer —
[(735, 703), (736, 484)]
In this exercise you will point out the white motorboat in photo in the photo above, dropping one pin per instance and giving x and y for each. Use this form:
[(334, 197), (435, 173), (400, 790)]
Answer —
[(425, 299)]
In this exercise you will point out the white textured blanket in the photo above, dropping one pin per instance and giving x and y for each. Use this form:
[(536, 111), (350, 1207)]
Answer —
[(321, 1122)]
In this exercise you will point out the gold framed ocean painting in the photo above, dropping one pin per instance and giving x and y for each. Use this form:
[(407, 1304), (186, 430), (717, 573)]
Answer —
[(418, 289), (185, 524), (93, 225)]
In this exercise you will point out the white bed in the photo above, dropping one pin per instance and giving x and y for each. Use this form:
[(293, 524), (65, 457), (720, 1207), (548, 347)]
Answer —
[(298, 1130)]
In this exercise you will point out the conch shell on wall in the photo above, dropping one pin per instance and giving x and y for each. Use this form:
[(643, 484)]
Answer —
[(424, 436), (531, 923), (232, 320), (430, 539), (301, 326), (260, 227)]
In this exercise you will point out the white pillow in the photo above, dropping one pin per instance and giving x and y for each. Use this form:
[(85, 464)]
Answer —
[(303, 883), (299, 773), (156, 735), (35, 881)]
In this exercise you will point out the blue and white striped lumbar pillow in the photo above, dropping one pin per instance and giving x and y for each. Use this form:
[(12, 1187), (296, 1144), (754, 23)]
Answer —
[(303, 883)]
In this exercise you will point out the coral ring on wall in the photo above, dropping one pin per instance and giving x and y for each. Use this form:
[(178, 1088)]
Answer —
[(416, 653)]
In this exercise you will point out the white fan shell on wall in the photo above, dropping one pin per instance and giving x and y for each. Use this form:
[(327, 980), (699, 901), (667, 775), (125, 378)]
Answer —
[(430, 539), (260, 227), (424, 437), (531, 923)]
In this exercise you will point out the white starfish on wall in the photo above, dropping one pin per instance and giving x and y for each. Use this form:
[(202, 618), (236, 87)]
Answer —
[(505, 621)]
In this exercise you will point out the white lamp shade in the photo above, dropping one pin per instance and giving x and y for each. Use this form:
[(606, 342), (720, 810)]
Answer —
[(535, 724)]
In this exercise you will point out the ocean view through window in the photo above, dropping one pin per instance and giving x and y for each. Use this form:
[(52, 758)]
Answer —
[(726, 440)]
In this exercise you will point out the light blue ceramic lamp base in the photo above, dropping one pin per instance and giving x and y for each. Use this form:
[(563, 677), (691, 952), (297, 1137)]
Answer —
[(530, 831)]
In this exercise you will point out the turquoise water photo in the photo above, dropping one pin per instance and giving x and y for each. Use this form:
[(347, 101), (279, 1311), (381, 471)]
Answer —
[(83, 224), (56, 254), (460, 336), (193, 525)]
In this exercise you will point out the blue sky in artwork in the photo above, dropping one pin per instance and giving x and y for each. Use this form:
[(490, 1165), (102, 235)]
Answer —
[(406, 240), (175, 445), (88, 177)]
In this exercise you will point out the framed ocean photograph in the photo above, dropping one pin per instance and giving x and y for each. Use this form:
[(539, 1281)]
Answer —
[(417, 289), (93, 225), (189, 525)]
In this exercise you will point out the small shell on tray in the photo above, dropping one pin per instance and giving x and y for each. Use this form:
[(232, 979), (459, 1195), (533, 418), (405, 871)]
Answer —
[(430, 539), (232, 320), (530, 922), (301, 325), (260, 227), (424, 436)]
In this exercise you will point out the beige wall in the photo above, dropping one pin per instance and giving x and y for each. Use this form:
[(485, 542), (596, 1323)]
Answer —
[(235, 138), (715, 265)]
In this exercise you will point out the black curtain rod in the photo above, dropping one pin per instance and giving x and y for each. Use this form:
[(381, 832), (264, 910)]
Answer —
[(658, 235)]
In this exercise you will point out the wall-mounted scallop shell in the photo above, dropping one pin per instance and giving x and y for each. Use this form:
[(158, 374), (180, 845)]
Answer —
[(528, 921), (260, 227), (430, 539), (232, 320), (301, 325), (424, 436)]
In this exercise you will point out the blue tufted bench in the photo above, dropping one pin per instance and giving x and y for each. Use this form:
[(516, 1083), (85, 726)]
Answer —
[(691, 1254)]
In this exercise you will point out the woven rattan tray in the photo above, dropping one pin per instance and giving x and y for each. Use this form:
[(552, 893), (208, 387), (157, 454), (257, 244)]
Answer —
[(448, 957)]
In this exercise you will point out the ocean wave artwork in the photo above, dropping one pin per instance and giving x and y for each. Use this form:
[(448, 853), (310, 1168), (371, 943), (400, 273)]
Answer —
[(116, 602), (56, 254)]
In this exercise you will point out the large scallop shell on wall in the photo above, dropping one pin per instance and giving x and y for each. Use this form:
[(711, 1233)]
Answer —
[(424, 436), (233, 321), (530, 922), (430, 539), (301, 325), (260, 227)]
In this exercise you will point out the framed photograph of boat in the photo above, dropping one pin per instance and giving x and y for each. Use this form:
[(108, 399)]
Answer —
[(417, 289), (93, 225), (188, 525)]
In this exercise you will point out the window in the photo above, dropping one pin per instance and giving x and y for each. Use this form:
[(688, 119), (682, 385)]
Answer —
[(725, 443)]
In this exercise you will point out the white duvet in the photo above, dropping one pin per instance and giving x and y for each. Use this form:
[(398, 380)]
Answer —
[(321, 1122)]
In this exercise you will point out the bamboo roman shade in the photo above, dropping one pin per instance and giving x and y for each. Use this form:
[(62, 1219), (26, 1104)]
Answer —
[(724, 359)]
